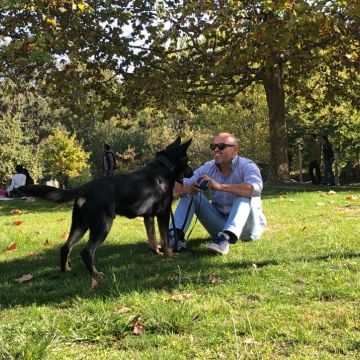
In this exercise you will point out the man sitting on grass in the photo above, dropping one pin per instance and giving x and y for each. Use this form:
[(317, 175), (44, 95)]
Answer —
[(235, 209)]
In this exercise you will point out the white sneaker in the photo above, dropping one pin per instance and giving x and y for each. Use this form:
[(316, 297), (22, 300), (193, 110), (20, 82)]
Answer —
[(220, 244)]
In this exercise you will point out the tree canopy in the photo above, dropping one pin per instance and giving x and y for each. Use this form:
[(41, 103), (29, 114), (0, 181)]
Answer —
[(199, 51)]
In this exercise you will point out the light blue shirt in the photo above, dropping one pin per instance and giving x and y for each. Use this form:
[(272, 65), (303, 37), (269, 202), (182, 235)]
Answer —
[(243, 170)]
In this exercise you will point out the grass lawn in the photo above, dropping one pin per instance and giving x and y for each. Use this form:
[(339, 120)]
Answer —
[(295, 294)]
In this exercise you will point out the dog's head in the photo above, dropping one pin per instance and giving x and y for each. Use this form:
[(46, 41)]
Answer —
[(177, 154)]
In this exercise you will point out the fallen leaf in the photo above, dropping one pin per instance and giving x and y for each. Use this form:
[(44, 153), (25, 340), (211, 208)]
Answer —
[(251, 341), (16, 212), (24, 278), (94, 284), (120, 337), (351, 197), (17, 222), (21, 231), (137, 327), (11, 247), (213, 279), (64, 235), (32, 254), (180, 297), (123, 310)]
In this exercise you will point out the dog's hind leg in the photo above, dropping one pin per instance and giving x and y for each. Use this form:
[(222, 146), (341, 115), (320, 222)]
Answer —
[(77, 231), (150, 232), (98, 232)]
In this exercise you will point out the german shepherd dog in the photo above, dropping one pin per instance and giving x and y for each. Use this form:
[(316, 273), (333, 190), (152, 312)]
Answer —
[(146, 192)]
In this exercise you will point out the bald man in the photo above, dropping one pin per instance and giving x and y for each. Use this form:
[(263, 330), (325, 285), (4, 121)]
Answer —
[(235, 185)]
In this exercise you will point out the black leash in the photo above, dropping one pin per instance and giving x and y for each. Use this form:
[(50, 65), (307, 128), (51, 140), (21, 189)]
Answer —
[(175, 229)]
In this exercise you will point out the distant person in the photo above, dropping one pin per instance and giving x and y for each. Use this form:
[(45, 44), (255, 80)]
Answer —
[(18, 179), (328, 155), (29, 179), (314, 148), (109, 161)]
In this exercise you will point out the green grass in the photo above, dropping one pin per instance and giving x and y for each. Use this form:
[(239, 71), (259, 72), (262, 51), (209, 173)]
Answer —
[(295, 294)]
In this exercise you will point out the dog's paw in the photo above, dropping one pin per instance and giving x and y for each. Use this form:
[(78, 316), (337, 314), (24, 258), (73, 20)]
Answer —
[(67, 267), (155, 248), (99, 274), (168, 251)]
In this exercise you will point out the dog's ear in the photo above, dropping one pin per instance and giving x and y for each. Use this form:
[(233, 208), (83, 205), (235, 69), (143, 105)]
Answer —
[(175, 144), (186, 144)]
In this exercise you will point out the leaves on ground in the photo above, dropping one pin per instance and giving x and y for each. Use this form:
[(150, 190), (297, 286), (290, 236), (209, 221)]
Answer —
[(180, 297), (17, 222), (64, 235), (213, 279), (94, 284), (251, 341), (137, 327), (351, 197), (16, 212), (123, 309), (11, 247), (30, 254), (24, 278)]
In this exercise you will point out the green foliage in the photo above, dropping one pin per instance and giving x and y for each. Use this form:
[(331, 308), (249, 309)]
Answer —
[(14, 145), (120, 140), (63, 156), (341, 122)]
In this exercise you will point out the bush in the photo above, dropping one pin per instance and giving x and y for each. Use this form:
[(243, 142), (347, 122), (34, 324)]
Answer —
[(63, 157)]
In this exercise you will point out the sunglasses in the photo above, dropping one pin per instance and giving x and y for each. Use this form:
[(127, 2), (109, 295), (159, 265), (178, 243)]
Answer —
[(220, 146)]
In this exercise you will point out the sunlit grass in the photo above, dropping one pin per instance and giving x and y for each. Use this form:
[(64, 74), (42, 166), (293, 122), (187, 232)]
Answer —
[(293, 294)]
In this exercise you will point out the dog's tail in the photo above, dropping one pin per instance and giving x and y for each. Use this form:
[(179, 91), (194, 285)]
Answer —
[(49, 193)]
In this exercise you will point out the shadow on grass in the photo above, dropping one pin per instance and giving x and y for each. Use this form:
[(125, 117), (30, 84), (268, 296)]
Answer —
[(274, 262), (32, 206), (128, 268)]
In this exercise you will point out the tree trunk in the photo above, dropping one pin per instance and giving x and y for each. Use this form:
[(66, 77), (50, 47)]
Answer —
[(275, 97)]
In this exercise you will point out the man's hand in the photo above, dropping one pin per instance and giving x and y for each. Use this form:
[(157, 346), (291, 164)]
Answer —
[(212, 184), (194, 189)]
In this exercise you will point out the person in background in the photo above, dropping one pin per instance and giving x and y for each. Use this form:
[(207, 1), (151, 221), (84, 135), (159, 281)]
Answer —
[(109, 161), (235, 210), (18, 179), (314, 148), (328, 155), (29, 179)]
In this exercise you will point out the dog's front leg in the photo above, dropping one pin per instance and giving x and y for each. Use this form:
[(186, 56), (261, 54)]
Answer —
[(150, 232), (163, 224)]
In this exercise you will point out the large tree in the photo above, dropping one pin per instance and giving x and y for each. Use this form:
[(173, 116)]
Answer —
[(194, 49)]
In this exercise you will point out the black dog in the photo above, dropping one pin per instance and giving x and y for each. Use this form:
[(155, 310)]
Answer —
[(146, 192)]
